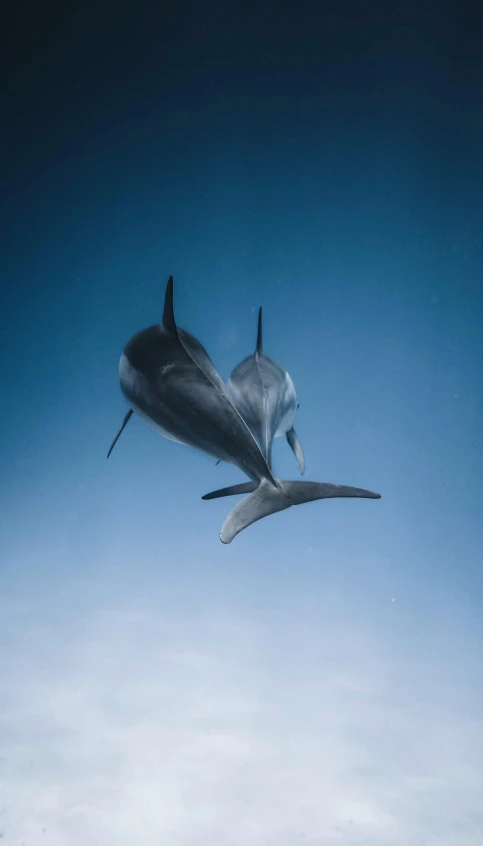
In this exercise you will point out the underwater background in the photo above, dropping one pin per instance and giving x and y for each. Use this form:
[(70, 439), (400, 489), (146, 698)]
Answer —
[(319, 680)]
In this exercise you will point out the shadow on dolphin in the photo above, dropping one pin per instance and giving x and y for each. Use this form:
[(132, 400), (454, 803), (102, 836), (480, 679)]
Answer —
[(264, 394), (169, 380)]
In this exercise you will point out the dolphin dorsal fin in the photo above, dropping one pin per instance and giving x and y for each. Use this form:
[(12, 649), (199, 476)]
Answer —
[(260, 333), (168, 321)]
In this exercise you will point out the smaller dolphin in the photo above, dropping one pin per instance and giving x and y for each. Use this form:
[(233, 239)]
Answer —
[(264, 394), (168, 378)]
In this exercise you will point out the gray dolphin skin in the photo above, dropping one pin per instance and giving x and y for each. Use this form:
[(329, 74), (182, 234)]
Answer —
[(264, 394), (169, 380)]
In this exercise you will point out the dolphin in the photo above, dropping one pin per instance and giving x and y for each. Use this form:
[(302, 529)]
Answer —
[(169, 380), (264, 394)]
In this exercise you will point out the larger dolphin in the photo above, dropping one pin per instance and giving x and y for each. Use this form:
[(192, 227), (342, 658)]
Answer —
[(168, 379), (264, 394)]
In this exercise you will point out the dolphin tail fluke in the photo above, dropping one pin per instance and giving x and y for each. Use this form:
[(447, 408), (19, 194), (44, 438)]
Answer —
[(295, 444), (260, 332), (270, 498), (267, 499), (122, 427), (243, 488), (300, 492)]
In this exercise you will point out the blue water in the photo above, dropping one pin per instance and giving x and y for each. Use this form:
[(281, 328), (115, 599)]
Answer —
[(319, 680)]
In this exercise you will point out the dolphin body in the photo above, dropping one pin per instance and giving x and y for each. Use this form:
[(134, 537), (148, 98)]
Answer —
[(168, 378), (264, 394)]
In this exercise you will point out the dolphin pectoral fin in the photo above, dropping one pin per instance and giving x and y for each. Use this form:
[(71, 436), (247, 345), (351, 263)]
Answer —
[(123, 425), (295, 444), (270, 498), (244, 488)]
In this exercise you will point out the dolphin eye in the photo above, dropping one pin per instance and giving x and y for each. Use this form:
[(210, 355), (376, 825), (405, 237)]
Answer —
[(298, 405)]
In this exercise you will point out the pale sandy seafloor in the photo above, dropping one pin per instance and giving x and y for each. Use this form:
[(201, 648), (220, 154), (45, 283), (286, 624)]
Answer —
[(133, 726)]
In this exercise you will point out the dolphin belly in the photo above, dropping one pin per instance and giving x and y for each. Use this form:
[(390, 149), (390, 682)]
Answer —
[(287, 406), (286, 422), (157, 426), (135, 387)]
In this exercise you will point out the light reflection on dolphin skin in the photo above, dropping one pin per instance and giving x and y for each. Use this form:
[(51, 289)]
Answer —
[(169, 380)]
